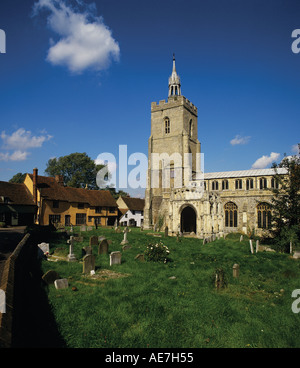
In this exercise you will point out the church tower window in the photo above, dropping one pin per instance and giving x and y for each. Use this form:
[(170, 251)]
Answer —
[(167, 125)]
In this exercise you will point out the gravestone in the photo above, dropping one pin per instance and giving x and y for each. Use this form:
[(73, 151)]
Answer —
[(88, 263), (115, 258), (71, 256), (166, 231), (296, 255), (44, 247), (257, 246), (125, 241), (103, 247), (204, 241), (236, 270), (93, 240), (50, 276), (126, 247), (82, 228), (89, 228), (140, 257), (241, 238), (251, 246), (61, 284), (78, 238)]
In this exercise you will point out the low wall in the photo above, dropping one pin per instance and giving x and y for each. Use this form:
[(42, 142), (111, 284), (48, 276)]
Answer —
[(13, 269)]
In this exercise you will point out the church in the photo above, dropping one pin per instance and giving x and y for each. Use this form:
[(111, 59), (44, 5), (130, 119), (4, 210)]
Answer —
[(183, 197)]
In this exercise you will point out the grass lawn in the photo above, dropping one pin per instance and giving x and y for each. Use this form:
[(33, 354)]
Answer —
[(176, 305)]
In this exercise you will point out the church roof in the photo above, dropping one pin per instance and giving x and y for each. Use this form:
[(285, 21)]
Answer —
[(243, 173)]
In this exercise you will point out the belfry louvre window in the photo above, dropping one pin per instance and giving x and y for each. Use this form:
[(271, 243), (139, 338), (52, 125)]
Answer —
[(167, 126), (264, 216), (230, 214)]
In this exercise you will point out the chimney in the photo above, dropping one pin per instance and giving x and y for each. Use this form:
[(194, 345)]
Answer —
[(35, 179), (59, 179)]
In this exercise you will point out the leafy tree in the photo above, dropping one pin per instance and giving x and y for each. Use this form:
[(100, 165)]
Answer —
[(116, 194), (18, 178), (77, 169), (286, 203)]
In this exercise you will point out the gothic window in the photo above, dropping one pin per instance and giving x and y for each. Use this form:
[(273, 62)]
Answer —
[(167, 125), (225, 184), (249, 184), (214, 185), (263, 216), (191, 128), (230, 214), (274, 183), (238, 184), (263, 183)]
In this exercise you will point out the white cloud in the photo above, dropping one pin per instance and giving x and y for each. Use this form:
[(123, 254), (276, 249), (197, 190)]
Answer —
[(22, 139), (19, 142), (85, 41), (295, 148), (265, 161), (238, 139), (15, 156)]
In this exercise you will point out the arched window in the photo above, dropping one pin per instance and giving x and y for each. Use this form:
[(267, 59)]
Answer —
[(262, 183), (225, 184), (191, 128), (274, 183), (167, 125), (249, 184), (231, 210), (264, 217), (238, 184), (214, 185)]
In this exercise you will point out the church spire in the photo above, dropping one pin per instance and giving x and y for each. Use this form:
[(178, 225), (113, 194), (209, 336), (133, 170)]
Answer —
[(174, 82)]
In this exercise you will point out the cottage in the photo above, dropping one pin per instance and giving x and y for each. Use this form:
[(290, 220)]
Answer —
[(132, 210)]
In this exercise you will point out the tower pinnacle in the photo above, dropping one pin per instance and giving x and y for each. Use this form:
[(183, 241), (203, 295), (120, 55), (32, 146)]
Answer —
[(174, 81)]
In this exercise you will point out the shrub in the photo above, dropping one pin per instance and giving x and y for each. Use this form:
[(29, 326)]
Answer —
[(157, 252), (2, 224)]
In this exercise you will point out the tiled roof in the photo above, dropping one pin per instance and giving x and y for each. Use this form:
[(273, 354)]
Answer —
[(50, 189), (135, 204), (243, 173), (16, 193)]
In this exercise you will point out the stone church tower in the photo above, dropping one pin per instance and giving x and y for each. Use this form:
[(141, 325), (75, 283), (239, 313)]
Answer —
[(174, 133)]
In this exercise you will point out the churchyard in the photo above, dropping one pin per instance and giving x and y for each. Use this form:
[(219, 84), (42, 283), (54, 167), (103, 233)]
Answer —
[(220, 294)]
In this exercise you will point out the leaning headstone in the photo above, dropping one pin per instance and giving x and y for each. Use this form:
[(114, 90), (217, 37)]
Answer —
[(61, 284), (236, 270), (257, 246), (103, 247), (126, 247), (140, 257), (241, 238), (115, 258), (44, 247), (204, 241), (88, 263), (50, 276), (291, 247), (93, 240), (166, 231), (251, 246), (71, 256)]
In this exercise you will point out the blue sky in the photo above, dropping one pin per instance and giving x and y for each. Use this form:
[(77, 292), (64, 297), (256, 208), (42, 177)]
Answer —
[(80, 76)]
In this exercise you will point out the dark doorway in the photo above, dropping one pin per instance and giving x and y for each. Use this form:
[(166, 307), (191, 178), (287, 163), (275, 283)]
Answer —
[(188, 220)]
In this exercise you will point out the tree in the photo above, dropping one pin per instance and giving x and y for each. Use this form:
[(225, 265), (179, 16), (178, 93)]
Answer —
[(18, 178), (77, 169), (286, 203)]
